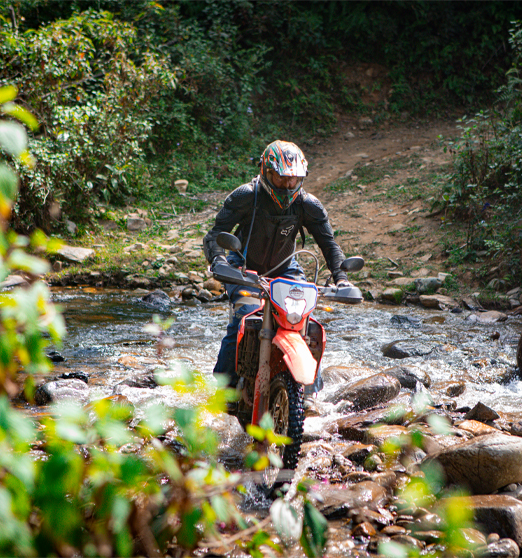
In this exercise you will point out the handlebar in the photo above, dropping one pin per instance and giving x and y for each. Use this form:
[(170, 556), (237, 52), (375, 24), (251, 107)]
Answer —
[(228, 274)]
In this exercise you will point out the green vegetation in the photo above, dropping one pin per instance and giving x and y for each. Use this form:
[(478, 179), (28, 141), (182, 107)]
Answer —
[(484, 191)]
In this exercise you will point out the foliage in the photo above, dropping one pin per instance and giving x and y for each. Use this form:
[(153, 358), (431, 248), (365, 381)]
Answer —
[(92, 92), (485, 187)]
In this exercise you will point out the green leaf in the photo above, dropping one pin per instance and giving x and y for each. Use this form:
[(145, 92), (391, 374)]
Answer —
[(266, 422), (393, 550), (21, 114), (315, 529), (251, 459), (286, 520), (18, 259), (13, 138), (256, 432), (7, 94), (221, 507), (275, 460), (8, 184)]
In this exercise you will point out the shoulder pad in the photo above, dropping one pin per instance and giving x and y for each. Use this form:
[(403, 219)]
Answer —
[(313, 207), (242, 195)]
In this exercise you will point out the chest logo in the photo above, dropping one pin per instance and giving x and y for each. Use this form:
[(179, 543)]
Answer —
[(288, 230)]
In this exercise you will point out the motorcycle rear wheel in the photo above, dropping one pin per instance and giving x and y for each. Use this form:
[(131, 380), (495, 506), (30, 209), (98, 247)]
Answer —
[(286, 409)]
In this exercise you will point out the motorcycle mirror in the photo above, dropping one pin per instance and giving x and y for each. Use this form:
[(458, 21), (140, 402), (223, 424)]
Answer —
[(355, 263), (228, 241)]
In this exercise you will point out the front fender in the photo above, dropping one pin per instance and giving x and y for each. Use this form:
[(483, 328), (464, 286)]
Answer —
[(297, 356)]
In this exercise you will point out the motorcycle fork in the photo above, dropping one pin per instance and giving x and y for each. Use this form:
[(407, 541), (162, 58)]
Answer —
[(262, 383)]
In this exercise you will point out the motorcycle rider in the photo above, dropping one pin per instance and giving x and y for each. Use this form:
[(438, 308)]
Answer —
[(270, 211)]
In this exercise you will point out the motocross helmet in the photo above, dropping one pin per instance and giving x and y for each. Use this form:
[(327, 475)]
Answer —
[(286, 159)]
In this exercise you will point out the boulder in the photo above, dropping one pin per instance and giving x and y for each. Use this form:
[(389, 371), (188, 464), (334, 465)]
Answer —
[(75, 254), (491, 317), (13, 281), (497, 513), (405, 321), (136, 223), (337, 502), (392, 294), (482, 413), (405, 350), (158, 298), (427, 284), (408, 376), (483, 464), (437, 301), (59, 390), (477, 428), (368, 392)]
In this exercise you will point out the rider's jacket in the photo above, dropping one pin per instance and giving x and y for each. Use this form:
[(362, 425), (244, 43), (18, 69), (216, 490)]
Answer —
[(274, 230)]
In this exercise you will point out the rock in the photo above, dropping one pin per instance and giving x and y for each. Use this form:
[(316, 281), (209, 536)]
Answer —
[(336, 374), (377, 435), (491, 317), (108, 224), (477, 428), (408, 376), (181, 185), (437, 301), (12, 281), (72, 228), (57, 266), (455, 389), (497, 513), (76, 374), (504, 548), (392, 294), (59, 390), (358, 452), (158, 298), (427, 284), (75, 254), (405, 321), (55, 356), (519, 355), (408, 540), (483, 464), (391, 350), (138, 282), (136, 223), (392, 530), (365, 529), (204, 295), (337, 502), (355, 427), (128, 360), (482, 413), (143, 381), (212, 285), (368, 392)]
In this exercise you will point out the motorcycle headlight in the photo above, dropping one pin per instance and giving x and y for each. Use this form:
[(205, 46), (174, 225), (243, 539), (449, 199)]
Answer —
[(295, 309)]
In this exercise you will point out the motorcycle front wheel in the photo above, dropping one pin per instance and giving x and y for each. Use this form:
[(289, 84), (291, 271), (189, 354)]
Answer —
[(286, 409)]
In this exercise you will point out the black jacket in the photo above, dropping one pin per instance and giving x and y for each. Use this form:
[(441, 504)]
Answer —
[(273, 232)]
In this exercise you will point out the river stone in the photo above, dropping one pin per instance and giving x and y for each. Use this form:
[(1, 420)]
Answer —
[(392, 294), (59, 390), (136, 223), (455, 389), (477, 428), (336, 374), (75, 254), (437, 301), (13, 281), (426, 284), (368, 392), (519, 355), (405, 321), (138, 282), (409, 376), (378, 435), (497, 513), (390, 350), (482, 413), (491, 317), (392, 530), (483, 464), (144, 381), (158, 298), (337, 502), (504, 548), (364, 529), (358, 452)]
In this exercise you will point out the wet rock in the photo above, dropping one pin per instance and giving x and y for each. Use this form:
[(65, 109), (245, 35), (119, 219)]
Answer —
[(497, 513), (364, 529), (128, 360), (491, 317), (504, 548), (60, 390), (409, 376), (367, 392), (358, 452), (138, 282), (405, 321), (455, 389), (474, 537), (74, 254), (204, 295), (337, 502), (381, 518), (144, 381), (158, 298), (429, 537), (427, 284), (477, 428), (429, 522), (392, 530), (380, 434), (77, 375), (212, 285), (483, 464), (519, 355), (336, 374), (437, 301), (481, 413), (390, 350), (355, 427), (55, 356), (408, 540)]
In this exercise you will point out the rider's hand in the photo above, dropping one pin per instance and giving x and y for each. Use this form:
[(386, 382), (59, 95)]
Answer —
[(342, 283), (220, 259)]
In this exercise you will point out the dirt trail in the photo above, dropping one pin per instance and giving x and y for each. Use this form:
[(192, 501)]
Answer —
[(384, 214)]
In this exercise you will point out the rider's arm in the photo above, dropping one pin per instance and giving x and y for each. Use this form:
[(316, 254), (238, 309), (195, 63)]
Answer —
[(238, 205), (317, 223)]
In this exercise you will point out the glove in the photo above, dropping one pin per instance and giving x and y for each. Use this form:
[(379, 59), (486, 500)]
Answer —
[(343, 283), (220, 259)]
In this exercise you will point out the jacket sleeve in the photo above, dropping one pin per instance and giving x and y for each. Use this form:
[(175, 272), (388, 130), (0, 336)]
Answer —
[(236, 208), (317, 223)]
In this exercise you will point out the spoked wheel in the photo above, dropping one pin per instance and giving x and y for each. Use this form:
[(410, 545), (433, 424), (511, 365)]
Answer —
[(286, 409)]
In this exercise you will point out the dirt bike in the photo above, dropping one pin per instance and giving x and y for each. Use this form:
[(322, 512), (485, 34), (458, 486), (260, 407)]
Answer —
[(279, 345)]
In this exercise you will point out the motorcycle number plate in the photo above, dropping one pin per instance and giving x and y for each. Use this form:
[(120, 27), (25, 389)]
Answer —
[(293, 295)]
